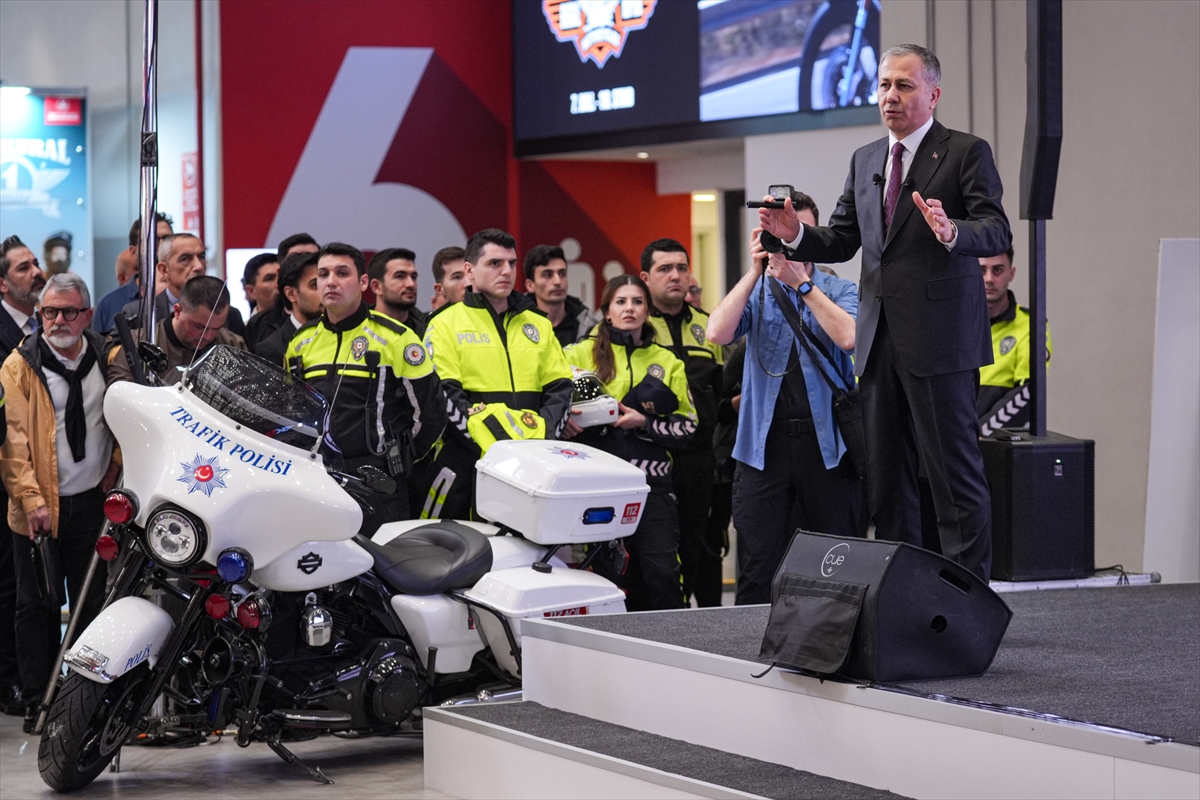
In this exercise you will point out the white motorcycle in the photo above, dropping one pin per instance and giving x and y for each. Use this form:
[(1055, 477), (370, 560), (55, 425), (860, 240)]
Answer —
[(243, 597)]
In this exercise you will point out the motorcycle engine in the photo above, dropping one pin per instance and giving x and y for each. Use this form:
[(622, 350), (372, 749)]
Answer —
[(392, 688)]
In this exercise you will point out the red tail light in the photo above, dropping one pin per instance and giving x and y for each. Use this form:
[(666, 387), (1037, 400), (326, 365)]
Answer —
[(217, 607), (254, 614), (107, 547), (120, 507)]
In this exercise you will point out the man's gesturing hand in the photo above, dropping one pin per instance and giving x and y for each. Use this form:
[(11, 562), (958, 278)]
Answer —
[(780, 221), (935, 215)]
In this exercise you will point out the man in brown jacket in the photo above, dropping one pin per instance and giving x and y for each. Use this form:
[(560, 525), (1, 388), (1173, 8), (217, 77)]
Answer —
[(57, 463), (194, 327)]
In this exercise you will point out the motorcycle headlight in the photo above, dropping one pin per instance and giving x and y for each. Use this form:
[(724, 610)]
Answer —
[(175, 539)]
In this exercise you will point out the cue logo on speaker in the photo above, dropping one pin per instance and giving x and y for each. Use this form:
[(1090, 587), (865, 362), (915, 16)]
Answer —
[(834, 559)]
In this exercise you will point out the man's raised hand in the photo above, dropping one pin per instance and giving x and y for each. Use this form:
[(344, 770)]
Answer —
[(782, 222), (936, 217)]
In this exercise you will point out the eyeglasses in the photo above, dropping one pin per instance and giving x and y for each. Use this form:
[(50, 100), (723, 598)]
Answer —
[(50, 313)]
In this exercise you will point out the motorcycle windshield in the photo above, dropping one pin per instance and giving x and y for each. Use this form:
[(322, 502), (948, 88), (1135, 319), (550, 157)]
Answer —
[(259, 395)]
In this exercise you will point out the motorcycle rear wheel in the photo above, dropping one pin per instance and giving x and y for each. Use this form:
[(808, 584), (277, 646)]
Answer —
[(85, 728)]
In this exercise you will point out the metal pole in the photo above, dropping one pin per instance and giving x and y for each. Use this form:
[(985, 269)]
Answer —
[(1037, 327), (149, 166)]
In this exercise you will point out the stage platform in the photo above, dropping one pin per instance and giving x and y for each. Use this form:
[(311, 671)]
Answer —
[(1094, 693)]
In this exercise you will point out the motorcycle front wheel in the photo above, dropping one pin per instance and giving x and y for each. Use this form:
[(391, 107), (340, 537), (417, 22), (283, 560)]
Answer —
[(86, 727)]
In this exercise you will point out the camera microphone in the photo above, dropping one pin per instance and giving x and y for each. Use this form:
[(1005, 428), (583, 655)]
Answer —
[(876, 179)]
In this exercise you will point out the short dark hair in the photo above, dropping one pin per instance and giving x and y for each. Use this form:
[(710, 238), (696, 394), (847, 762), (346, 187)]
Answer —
[(660, 246), (135, 230), (379, 260), (291, 271), (801, 201), (1010, 253), (250, 274), (488, 236), (11, 243), (349, 251), (541, 256), (204, 290), (292, 241), (443, 257)]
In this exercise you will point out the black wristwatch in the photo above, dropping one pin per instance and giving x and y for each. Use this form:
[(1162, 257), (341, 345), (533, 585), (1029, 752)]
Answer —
[(805, 288)]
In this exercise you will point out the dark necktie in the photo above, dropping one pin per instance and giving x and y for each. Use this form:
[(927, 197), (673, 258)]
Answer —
[(75, 423), (895, 178)]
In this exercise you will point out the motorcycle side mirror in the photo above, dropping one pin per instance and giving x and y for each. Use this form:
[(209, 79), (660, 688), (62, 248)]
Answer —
[(376, 479)]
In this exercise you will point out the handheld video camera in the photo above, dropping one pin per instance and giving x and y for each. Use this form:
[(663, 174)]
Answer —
[(778, 193)]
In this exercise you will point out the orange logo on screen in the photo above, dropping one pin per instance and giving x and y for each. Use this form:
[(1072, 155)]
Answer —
[(598, 28)]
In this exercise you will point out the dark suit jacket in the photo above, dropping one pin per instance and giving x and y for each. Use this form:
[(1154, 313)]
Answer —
[(10, 334), (934, 299), (275, 344)]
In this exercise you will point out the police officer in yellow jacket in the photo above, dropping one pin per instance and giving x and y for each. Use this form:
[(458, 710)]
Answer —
[(681, 327), (656, 417), (1003, 397), (387, 407), (502, 371)]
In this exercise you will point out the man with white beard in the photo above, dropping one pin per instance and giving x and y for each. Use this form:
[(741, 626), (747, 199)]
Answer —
[(57, 463)]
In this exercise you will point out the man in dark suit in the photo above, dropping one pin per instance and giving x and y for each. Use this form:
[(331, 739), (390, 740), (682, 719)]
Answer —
[(922, 330), (299, 301), (181, 257)]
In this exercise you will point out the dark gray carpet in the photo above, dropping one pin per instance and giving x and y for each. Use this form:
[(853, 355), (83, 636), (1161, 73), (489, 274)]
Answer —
[(1125, 656), (669, 755)]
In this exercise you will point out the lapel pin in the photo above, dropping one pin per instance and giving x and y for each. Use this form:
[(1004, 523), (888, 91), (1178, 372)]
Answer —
[(935, 156)]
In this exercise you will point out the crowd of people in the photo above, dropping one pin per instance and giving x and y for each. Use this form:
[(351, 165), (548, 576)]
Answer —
[(728, 416)]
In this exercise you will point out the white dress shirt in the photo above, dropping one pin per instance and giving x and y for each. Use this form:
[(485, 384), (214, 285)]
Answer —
[(74, 476)]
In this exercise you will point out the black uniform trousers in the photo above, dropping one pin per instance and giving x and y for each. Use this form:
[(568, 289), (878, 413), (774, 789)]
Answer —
[(38, 621), (700, 561), (9, 677), (914, 421), (792, 491), (651, 581)]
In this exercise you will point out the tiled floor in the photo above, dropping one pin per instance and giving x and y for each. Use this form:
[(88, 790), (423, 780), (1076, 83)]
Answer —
[(369, 768)]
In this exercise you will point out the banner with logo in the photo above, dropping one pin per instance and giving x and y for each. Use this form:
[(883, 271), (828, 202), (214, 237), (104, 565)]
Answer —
[(44, 196)]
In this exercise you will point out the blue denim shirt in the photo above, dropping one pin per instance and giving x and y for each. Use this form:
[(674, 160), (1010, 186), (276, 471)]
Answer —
[(773, 344)]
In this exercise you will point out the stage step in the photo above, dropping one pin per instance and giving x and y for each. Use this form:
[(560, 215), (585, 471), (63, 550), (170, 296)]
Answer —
[(692, 675), (526, 750)]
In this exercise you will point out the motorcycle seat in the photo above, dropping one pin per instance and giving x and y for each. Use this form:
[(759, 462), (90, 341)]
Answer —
[(431, 559)]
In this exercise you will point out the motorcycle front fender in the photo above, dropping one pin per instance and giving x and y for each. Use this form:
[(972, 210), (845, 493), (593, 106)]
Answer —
[(130, 631)]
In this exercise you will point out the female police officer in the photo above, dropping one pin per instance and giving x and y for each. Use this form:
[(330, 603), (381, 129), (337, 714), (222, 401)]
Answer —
[(656, 414)]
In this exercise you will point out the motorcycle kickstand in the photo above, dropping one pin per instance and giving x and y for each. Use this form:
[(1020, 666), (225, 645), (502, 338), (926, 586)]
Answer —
[(290, 757)]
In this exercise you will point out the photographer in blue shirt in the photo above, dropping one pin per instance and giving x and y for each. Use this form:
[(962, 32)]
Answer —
[(793, 470)]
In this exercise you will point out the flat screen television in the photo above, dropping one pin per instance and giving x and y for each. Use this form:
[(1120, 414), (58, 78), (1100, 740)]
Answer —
[(594, 74)]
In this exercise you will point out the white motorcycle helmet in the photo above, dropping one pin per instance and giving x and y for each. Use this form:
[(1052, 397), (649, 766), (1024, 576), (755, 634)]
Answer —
[(595, 406)]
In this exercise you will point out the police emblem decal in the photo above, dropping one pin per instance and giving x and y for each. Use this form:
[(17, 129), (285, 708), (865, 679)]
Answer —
[(203, 475), (1007, 344), (358, 347), (528, 420), (478, 408), (698, 332), (597, 29), (569, 453), (530, 330), (414, 354), (655, 371)]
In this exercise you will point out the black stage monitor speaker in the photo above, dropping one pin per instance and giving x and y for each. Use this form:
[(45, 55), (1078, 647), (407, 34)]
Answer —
[(1043, 505), (880, 611)]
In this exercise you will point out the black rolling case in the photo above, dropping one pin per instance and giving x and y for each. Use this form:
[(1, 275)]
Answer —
[(1043, 505)]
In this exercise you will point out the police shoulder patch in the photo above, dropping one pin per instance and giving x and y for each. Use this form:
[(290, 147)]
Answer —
[(531, 332), (698, 333), (414, 354), (358, 347), (655, 371), (1007, 344)]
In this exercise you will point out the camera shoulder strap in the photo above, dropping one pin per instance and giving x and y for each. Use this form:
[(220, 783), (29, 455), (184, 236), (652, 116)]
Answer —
[(804, 335)]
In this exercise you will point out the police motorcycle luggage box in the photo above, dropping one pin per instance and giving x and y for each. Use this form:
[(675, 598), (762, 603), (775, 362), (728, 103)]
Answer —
[(557, 492)]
